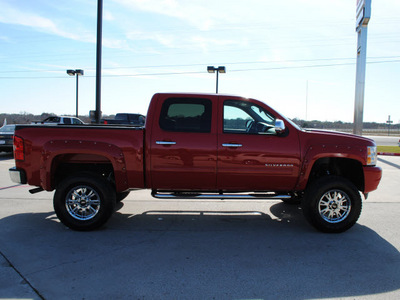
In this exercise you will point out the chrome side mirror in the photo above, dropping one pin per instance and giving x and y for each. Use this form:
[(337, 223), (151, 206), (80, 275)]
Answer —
[(279, 126)]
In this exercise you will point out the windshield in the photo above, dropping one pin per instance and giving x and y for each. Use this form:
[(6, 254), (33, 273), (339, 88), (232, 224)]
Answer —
[(298, 127), (8, 128)]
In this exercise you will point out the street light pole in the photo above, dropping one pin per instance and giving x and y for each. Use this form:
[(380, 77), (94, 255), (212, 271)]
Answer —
[(77, 88), (76, 73), (220, 69)]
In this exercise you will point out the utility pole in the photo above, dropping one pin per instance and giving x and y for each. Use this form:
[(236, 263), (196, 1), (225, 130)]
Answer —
[(98, 60)]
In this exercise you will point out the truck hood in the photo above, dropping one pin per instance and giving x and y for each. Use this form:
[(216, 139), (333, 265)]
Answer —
[(338, 138)]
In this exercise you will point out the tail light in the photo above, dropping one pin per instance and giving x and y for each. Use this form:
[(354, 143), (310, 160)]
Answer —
[(19, 148)]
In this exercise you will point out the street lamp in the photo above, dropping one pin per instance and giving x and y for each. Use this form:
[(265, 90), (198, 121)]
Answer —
[(76, 72), (220, 69)]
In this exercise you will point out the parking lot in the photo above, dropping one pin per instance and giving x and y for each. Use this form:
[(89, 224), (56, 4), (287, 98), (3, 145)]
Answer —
[(158, 249)]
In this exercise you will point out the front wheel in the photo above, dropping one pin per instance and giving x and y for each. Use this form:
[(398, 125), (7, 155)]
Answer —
[(84, 202), (121, 196), (332, 204)]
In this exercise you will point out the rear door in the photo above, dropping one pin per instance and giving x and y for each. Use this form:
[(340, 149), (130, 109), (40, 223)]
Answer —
[(183, 144), (251, 155)]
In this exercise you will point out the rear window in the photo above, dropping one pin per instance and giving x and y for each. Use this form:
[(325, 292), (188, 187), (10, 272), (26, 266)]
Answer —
[(186, 115), (52, 120)]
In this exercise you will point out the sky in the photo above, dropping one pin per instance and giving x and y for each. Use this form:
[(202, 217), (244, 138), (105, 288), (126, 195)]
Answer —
[(298, 56)]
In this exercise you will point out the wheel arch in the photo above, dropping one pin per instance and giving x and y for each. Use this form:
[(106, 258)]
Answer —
[(60, 160), (348, 168), (65, 165)]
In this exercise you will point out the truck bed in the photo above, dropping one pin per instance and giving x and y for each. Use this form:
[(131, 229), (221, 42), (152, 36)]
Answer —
[(99, 146)]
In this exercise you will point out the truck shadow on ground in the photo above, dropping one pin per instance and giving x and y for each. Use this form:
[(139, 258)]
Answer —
[(199, 255)]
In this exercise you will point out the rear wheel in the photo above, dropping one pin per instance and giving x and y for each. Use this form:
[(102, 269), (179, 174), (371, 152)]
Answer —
[(332, 204), (84, 202)]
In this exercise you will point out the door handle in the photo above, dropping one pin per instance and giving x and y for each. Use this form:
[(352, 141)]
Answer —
[(165, 143), (232, 145)]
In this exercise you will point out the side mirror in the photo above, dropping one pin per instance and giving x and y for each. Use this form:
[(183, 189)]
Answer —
[(279, 126)]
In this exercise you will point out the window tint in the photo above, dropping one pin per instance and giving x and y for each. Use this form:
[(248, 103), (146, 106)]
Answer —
[(121, 117), (246, 117), (186, 115), (52, 119), (235, 119), (67, 121)]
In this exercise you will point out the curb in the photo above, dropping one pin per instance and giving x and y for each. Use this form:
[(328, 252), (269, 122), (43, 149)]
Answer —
[(388, 153)]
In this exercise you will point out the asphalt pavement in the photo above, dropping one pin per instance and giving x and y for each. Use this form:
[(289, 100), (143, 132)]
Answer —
[(386, 140), (187, 249)]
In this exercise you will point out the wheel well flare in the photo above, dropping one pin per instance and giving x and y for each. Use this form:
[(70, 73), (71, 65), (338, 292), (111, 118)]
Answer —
[(344, 167)]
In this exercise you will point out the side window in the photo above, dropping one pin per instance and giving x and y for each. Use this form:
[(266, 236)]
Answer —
[(121, 117), (52, 120), (248, 118), (67, 121), (186, 115), (235, 119)]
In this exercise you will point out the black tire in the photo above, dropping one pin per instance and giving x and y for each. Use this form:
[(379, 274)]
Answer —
[(332, 204), (121, 196), (84, 202)]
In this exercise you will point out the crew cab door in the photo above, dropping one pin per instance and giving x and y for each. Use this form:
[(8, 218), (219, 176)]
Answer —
[(183, 144), (251, 154)]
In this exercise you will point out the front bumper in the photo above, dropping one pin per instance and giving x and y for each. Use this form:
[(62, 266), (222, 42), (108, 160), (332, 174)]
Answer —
[(17, 175), (372, 177)]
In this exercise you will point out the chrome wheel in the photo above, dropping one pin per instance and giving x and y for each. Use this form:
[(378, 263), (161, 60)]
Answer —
[(82, 202), (334, 206)]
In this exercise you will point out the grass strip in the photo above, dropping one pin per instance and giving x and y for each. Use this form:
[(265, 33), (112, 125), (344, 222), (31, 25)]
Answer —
[(389, 149)]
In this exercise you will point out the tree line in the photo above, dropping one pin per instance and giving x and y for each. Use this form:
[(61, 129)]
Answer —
[(342, 125), (27, 118)]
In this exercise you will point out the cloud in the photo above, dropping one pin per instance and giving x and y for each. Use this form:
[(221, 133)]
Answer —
[(15, 16), (191, 12)]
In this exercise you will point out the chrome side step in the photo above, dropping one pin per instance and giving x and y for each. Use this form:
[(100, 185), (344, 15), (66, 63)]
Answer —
[(210, 196)]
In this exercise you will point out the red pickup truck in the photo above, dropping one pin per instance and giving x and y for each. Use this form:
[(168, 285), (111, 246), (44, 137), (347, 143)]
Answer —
[(198, 146)]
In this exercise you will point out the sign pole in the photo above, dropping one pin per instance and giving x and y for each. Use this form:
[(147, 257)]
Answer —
[(363, 15)]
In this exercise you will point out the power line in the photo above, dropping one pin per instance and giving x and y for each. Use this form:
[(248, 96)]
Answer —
[(202, 72), (204, 64)]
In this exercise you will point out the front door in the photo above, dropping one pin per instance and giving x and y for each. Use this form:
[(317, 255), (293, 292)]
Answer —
[(251, 154)]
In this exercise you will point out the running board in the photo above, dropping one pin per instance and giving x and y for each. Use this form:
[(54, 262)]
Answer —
[(188, 195)]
